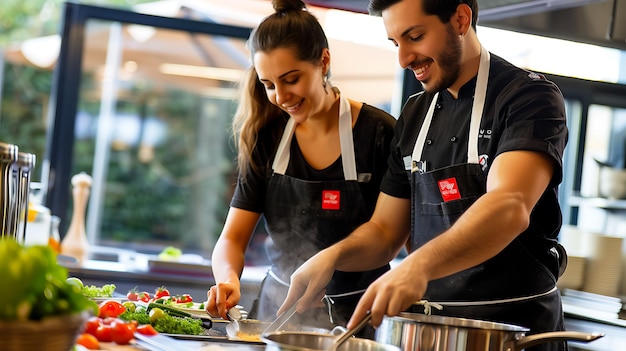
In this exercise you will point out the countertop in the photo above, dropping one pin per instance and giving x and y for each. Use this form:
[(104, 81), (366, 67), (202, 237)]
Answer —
[(127, 276)]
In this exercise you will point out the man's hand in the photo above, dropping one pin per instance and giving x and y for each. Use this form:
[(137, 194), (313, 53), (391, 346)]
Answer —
[(392, 293), (221, 298)]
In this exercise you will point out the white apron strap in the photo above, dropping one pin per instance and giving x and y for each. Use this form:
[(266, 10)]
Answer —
[(281, 161), (477, 112)]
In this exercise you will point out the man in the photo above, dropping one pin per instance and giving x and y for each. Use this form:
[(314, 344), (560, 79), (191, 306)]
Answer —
[(471, 186)]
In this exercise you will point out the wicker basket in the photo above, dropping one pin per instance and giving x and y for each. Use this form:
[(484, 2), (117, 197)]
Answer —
[(57, 333)]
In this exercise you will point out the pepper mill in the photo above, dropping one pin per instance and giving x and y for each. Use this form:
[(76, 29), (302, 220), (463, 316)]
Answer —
[(75, 242)]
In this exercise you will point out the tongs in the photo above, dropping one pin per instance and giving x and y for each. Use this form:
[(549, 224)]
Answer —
[(350, 332), (281, 319)]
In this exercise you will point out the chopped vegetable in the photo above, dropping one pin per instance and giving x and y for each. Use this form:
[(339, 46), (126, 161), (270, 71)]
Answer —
[(166, 323), (89, 341), (110, 308), (140, 315), (170, 253), (185, 298), (106, 290), (146, 329), (176, 325)]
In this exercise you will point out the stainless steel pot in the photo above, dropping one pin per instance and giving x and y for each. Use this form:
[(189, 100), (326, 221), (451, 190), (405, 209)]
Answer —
[(303, 341), (413, 331), (611, 182)]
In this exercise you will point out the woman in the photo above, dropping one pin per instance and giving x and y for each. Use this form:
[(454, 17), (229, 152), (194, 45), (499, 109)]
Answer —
[(310, 161)]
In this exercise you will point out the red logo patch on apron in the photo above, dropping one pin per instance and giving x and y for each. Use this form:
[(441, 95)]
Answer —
[(330, 200), (449, 189)]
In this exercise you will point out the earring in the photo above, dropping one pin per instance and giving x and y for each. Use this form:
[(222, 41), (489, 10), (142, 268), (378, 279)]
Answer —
[(325, 83)]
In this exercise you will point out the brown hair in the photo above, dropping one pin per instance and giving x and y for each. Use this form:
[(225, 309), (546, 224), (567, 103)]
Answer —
[(444, 9), (290, 26)]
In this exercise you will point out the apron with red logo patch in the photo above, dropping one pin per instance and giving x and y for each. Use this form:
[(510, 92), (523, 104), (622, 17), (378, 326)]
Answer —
[(508, 286), (304, 217)]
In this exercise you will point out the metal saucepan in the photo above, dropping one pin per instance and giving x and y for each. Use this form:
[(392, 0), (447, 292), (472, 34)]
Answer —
[(303, 341), (414, 331), (251, 329)]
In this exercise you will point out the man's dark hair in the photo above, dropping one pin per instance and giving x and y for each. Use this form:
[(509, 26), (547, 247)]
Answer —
[(440, 8)]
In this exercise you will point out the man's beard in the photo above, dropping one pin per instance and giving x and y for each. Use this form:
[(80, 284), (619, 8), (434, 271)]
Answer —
[(448, 63)]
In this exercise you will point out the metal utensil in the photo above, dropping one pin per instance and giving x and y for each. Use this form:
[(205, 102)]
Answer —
[(234, 314), (350, 332), (281, 319)]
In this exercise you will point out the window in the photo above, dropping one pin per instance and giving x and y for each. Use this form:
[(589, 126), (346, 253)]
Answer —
[(144, 104)]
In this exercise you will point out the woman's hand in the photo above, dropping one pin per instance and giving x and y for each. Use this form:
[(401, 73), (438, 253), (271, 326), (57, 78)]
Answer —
[(222, 297)]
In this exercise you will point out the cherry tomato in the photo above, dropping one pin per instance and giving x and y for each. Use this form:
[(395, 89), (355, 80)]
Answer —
[(89, 341), (91, 325), (122, 333), (184, 298), (144, 296), (146, 329), (133, 295), (104, 333), (110, 308), (161, 292)]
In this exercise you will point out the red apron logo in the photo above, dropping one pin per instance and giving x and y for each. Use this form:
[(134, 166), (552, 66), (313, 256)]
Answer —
[(449, 189), (330, 200)]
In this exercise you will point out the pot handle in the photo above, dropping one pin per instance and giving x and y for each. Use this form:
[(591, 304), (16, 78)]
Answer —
[(536, 339)]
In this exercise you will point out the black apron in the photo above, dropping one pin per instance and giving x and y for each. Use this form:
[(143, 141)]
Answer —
[(302, 218), (513, 287)]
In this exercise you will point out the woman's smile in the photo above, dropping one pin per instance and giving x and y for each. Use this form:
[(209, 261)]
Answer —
[(293, 108)]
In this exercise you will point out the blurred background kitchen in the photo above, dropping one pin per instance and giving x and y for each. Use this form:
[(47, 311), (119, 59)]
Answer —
[(139, 95)]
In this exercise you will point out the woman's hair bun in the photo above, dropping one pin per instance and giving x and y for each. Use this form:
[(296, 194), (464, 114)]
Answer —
[(288, 5)]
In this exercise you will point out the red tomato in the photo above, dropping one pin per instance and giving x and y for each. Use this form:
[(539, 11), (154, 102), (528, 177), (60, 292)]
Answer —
[(91, 325), (133, 295), (104, 333), (185, 298), (146, 329), (133, 324), (122, 333), (144, 296), (110, 308), (89, 341), (161, 292)]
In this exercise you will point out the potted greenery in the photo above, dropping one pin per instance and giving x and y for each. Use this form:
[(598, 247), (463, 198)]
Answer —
[(38, 306)]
